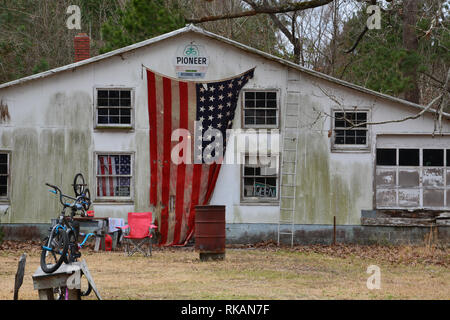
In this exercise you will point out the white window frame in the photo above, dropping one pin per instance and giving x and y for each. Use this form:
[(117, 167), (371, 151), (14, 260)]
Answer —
[(129, 199), (260, 126), (350, 147), (114, 125), (6, 198), (259, 200)]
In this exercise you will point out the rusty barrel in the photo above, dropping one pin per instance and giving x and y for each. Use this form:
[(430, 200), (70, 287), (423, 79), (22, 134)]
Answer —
[(210, 232)]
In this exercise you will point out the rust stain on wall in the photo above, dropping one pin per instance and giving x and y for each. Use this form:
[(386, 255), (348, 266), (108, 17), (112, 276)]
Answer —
[(4, 112)]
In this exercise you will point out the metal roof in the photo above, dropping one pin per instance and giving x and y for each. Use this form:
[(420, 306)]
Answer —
[(192, 28)]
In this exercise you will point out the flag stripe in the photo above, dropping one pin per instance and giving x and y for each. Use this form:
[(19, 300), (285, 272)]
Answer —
[(167, 93), (153, 138), (102, 169), (192, 112), (214, 171), (111, 182), (197, 174), (181, 170)]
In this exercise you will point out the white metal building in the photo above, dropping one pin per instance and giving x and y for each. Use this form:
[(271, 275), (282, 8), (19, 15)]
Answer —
[(375, 179)]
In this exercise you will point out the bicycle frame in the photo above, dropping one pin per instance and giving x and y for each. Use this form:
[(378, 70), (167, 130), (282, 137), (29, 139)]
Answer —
[(62, 221)]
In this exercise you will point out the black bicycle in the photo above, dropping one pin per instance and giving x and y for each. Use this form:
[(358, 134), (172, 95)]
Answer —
[(61, 245)]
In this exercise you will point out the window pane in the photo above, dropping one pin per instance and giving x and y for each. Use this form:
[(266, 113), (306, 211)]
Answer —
[(361, 140), (125, 94), (3, 169), (271, 104), (125, 120), (260, 120), (250, 112), (260, 103), (249, 95), (250, 103), (350, 138), (248, 171), (114, 120), (3, 191), (103, 111), (125, 102), (123, 189), (408, 157), (102, 119), (125, 165), (249, 120), (102, 102), (448, 162), (386, 157), (102, 94), (271, 120), (272, 95), (339, 123), (260, 95), (114, 94), (3, 158), (114, 111), (260, 113), (433, 157), (114, 102)]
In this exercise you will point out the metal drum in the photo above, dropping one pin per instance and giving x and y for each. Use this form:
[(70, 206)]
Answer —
[(210, 232)]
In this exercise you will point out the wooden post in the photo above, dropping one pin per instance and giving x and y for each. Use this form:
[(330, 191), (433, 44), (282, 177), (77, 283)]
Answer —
[(19, 275), (334, 230)]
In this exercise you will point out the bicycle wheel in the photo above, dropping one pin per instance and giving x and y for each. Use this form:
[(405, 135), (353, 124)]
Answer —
[(54, 254), (87, 199), (78, 184), (86, 292), (72, 253)]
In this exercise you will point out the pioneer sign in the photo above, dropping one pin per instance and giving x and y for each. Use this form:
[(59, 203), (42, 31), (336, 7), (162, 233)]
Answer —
[(191, 61)]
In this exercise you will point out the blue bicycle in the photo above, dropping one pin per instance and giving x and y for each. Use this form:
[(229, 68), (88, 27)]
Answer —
[(61, 245)]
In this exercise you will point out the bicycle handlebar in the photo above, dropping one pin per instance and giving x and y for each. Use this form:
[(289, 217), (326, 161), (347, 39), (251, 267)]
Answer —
[(61, 196)]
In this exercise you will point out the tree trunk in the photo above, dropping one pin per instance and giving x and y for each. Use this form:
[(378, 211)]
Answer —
[(410, 43)]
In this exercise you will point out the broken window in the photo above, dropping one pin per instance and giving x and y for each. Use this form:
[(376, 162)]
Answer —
[(114, 175), (114, 107), (260, 180), (420, 180), (386, 157), (260, 109), (350, 128), (408, 157), (4, 175)]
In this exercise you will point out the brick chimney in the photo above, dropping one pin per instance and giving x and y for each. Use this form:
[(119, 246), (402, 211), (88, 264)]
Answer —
[(82, 47)]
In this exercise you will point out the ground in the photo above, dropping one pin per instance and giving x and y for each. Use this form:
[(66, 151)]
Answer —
[(263, 271)]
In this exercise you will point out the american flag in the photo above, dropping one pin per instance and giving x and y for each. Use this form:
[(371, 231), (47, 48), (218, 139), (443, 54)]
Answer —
[(110, 168), (175, 189)]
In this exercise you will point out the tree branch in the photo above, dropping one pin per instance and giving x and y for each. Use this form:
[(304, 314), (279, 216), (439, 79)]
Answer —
[(281, 8), (361, 35)]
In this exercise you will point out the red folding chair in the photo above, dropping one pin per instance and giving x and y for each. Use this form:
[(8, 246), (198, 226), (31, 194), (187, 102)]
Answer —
[(138, 232)]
